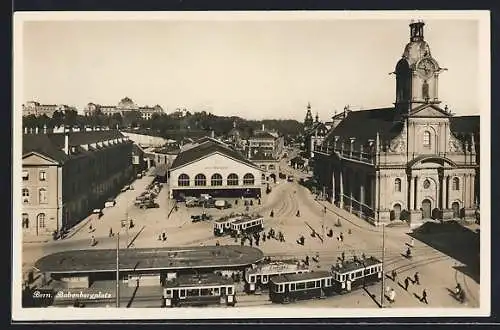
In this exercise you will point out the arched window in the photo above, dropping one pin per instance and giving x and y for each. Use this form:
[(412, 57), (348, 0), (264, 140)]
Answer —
[(183, 180), (232, 179), (41, 220), (200, 180), (26, 221), (42, 196), (216, 180), (397, 184), (456, 184), (248, 179), (427, 139)]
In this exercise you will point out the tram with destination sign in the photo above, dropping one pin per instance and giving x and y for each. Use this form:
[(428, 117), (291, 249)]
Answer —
[(222, 226), (247, 225), (199, 290), (344, 277), (257, 277)]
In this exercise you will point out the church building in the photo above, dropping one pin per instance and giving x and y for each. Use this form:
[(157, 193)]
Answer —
[(413, 161)]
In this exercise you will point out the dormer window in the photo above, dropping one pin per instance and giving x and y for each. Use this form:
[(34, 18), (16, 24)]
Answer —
[(427, 139)]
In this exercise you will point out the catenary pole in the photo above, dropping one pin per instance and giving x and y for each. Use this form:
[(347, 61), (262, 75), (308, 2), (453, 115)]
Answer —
[(383, 271), (117, 270)]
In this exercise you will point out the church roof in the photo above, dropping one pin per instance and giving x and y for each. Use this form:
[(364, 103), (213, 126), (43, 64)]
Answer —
[(364, 125), (465, 124)]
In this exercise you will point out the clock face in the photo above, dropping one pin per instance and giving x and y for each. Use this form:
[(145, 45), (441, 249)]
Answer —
[(426, 68)]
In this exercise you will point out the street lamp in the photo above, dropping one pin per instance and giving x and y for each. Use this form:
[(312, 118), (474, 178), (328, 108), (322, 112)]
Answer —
[(383, 274)]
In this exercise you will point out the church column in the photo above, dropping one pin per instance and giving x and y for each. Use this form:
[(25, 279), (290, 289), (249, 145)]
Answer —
[(377, 195), (415, 192), (361, 196), (471, 190), (409, 197), (465, 190), (341, 184), (447, 192), (442, 184), (333, 185)]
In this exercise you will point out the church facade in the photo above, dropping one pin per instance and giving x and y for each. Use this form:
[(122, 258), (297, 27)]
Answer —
[(413, 161)]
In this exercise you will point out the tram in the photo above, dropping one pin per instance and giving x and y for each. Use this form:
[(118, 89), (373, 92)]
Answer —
[(355, 273), (247, 225), (222, 226), (257, 277), (292, 287), (199, 290)]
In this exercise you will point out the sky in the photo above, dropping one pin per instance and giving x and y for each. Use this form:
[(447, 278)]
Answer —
[(256, 69)]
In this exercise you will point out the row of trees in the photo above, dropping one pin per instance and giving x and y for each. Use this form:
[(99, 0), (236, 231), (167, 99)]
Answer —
[(162, 124)]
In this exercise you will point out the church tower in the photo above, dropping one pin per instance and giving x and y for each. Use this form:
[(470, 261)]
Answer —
[(416, 73), (308, 122)]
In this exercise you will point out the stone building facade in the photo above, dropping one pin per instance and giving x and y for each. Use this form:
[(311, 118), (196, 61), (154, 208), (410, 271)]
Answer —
[(412, 161)]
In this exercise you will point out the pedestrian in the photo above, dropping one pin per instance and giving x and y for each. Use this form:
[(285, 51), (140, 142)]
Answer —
[(387, 290), (264, 237), (93, 241), (424, 296), (217, 243), (394, 274), (343, 256), (392, 296), (110, 232), (407, 283), (90, 228), (412, 242), (341, 237), (416, 278), (307, 260), (324, 209)]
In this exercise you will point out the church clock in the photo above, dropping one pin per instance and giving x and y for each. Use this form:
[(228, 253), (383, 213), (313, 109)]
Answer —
[(426, 67)]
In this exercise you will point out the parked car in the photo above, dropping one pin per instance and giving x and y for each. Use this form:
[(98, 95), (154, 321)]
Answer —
[(149, 204), (201, 217), (192, 203), (222, 204)]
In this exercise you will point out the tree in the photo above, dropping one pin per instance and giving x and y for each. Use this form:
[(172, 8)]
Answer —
[(114, 120), (132, 118), (70, 117), (58, 119)]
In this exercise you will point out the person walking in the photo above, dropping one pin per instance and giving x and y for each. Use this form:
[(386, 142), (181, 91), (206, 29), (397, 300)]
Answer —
[(394, 274), (407, 283), (341, 237), (424, 297), (416, 278), (392, 296), (412, 242), (110, 232)]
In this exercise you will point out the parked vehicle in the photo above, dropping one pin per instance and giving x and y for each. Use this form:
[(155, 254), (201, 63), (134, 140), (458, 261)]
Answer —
[(201, 217), (192, 202), (150, 204), (222, 204), (110, 203)]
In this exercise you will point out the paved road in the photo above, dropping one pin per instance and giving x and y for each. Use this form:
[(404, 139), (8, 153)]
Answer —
[(436, 270)]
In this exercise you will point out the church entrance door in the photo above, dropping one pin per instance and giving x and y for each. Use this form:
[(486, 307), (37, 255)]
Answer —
[(426, 209), (456, 210)]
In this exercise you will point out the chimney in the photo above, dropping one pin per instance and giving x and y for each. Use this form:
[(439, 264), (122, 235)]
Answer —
[(66, 143)]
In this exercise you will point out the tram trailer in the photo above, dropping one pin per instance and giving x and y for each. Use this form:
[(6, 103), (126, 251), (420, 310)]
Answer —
[(293, 287), (258, 276)]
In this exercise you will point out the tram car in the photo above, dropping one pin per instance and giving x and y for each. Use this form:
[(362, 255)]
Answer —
[(292, 287), (199, 290), (222, 226), (257, 277), (355, 273), (247, 225)]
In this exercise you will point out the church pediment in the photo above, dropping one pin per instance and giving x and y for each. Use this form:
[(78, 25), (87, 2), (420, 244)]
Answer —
[(429, 110), (34, 158)]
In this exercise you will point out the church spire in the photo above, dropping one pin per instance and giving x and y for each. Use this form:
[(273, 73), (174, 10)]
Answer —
[(308, 121)]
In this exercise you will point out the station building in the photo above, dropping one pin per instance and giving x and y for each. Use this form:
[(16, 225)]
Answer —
[(412, 161), (212, 167)]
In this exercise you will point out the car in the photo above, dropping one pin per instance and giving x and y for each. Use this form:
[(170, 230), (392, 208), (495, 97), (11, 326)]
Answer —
[(150, 204), (192, 203), (222, 204)]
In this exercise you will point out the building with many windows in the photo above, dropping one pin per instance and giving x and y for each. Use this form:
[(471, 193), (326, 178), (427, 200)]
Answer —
[(212, 167), (66, 175), (125, 105), (37, 109), (264, 140), (412, 161)]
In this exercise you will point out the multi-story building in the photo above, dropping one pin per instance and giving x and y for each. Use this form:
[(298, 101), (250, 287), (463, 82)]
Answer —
[(266, 141), (125, 105), (66, 175), (314, 135), (266, 162), (37, 109), (412, 161)]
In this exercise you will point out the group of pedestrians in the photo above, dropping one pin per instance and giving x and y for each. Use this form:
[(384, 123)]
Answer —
[(414, 280)]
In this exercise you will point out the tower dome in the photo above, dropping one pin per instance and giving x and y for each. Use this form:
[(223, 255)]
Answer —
[(417, 48)]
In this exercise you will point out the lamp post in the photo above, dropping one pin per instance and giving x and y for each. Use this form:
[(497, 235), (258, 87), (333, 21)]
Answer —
[(117, 270), (383, 276)]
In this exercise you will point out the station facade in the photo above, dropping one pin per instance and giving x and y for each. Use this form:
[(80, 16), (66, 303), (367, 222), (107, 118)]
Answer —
[(211, 167)]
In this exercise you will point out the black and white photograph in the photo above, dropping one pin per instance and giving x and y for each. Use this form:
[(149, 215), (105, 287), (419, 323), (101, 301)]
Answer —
[(200, 165)]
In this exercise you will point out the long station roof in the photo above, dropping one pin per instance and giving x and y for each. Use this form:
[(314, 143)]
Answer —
[(172, 258)]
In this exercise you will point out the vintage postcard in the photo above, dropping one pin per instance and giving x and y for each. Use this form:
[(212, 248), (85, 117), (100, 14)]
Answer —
[(201, 165)]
